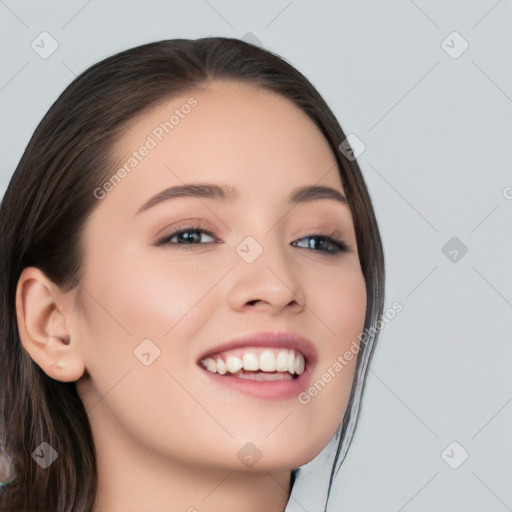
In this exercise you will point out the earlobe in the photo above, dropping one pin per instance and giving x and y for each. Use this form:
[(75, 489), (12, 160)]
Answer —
[(43, 317)]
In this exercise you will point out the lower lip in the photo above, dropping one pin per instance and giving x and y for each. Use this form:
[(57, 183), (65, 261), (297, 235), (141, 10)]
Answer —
[(270, 390)]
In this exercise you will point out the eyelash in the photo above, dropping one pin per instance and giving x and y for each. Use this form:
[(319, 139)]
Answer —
[(337, 246)]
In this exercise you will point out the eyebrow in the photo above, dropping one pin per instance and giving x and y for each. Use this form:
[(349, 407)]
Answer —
[(228, 193)]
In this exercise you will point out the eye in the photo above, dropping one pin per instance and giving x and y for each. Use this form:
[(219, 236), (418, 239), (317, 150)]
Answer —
[(326, 244), (186, 237)]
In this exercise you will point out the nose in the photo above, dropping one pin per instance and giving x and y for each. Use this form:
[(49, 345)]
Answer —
[(268, 284)]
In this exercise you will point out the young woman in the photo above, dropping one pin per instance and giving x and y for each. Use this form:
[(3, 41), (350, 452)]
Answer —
[(191, 275)]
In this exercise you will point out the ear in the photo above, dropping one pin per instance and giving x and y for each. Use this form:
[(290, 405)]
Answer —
[(44, 316)]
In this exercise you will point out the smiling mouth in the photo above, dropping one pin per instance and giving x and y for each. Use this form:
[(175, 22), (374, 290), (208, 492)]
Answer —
[(257, 363)]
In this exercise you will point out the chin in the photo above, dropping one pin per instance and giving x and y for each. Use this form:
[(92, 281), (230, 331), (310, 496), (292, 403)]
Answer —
[(273, 458)]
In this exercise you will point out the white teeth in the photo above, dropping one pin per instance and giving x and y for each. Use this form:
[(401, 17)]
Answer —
[(267, 361), (291, 361), (251, 362), (210, 364), (233, 364), (299, 364), (270, 361), (221, 366), (282, 361)]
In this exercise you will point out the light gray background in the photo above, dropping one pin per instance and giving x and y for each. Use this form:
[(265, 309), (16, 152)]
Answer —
[(438, 139)]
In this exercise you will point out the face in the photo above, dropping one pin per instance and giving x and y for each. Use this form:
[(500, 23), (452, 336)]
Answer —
[(251, 269)]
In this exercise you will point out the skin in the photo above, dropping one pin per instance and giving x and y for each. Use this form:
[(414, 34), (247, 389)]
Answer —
[(167, 437)]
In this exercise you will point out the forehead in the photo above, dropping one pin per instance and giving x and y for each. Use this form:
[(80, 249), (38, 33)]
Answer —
[(232, 132)]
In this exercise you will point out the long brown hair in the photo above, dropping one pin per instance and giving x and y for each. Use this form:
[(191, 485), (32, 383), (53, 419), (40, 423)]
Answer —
[(42, 217)]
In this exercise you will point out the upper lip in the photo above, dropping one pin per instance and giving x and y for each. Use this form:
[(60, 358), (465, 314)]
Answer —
[(272, 339)]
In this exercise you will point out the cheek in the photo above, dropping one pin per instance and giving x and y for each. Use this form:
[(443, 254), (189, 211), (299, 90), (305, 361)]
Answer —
[(339, 302), (148, 404), (139, 308), (341, 311), (148, 297)]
